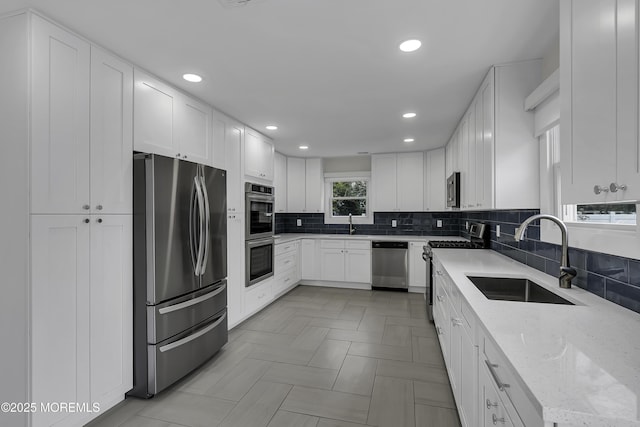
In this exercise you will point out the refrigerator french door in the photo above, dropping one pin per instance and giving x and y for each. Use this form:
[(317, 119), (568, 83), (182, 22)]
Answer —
[(180, 269)]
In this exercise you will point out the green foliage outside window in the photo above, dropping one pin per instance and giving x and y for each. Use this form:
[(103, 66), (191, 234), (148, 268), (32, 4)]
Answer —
[(349, 197)]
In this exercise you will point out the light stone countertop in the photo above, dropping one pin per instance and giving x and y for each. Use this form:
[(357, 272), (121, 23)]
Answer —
[(288, 237), (581, 364)]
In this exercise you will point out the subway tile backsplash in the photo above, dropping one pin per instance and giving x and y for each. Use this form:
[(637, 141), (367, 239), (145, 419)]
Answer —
[(608, 276)]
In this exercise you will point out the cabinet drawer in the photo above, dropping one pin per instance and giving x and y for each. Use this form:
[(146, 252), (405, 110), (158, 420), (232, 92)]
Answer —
[(332, 244), (283, 248), (512, 391), (283, 282), (358, 244), (258, 297), (284, 262), (492, 408)]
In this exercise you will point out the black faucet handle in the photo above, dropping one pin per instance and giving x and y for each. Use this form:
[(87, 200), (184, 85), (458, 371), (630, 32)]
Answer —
[(570, 271)]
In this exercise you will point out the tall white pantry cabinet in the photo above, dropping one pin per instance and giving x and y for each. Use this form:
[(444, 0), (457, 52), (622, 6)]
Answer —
[(66, 312)]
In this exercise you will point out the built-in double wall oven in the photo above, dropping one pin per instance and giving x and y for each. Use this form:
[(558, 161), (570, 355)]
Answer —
[(259, 201)]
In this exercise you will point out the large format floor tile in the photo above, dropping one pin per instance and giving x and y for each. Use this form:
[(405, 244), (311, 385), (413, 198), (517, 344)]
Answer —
[(317, 357)]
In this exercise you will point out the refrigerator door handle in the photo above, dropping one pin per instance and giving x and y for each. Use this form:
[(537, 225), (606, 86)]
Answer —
[(201, 225), (190, 338), (207, 230), (192, 226), (192, 302)]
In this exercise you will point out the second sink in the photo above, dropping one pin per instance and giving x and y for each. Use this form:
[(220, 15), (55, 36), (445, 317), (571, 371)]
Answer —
[(515, 289)]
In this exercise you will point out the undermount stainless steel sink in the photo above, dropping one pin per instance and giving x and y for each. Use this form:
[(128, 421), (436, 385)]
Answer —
[(515, 289)]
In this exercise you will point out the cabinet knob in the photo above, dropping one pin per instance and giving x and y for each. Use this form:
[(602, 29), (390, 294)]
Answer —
[(178, 155), (86, 221), (597, 189), (456, 321), (497, 420), (99, 207), (614, 187), (99, 220), (86, 207), (491, 405), (184, 157)]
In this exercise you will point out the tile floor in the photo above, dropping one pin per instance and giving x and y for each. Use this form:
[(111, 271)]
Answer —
[(317, 357)]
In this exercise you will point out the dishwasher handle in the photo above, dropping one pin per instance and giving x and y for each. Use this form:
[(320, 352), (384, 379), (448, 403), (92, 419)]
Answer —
[(389, 245)]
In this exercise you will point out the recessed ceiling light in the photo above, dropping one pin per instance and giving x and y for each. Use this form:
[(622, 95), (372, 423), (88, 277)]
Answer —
[(193, 78), (409, 140), (304, 147), (410, 45), (409, 115), (271, 127)]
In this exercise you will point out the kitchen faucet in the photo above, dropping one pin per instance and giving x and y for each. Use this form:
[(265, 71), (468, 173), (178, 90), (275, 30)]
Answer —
[(352, 229), (566, 271)]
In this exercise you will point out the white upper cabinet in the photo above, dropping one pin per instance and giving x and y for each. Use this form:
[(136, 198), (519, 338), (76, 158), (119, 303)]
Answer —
[(493, 147), (397, 182), (60, 120), (296, 191), (258, 156), (434, 173), (219, 133), (305, 185), (314, 185), (169, 123), (280, 182), (111, 134), (233, 138), (599, 101)]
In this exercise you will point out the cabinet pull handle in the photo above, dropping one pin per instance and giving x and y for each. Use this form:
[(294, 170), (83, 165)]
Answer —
[(614, 187), (439, 273), (440, 298), (491, 405), (456, 321), (597, 189), (497, 420), (494, 374), (178, 155), (439, 330), (86, 221), (99, 207), (86, 207)]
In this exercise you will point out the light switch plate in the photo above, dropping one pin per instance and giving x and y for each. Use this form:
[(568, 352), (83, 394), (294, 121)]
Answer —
[(298, 222), (466, 225), (498, 230), (394, 223), (439, 223)]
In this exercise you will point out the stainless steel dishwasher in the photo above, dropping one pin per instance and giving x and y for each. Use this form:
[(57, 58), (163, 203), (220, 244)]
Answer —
[(389, 262)]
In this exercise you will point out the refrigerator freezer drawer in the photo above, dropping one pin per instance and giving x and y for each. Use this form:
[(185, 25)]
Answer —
[(172, 359), (175, 316)]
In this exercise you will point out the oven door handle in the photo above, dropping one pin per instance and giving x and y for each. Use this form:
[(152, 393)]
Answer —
[(260, 242), (260, 197)]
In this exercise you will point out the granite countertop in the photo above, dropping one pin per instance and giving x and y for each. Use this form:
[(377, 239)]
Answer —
[(288, 237), (581, 363)]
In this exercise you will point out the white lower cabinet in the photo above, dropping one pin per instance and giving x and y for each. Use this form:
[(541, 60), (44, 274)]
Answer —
[(492, 408), (310, 259), (286, 267), (417, 267), (345, 261), (258, 296), (81, 313)]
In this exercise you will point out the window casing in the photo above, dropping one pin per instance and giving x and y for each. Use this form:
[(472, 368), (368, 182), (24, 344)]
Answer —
[(344, 194)]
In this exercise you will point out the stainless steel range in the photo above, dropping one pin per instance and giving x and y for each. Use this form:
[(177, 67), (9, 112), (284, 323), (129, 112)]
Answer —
[(479, 239)]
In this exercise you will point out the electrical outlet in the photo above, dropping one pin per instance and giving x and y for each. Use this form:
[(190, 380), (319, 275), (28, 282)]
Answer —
[(298, 222), (439, 223), (498, 230), (394, 223), (466, 225)]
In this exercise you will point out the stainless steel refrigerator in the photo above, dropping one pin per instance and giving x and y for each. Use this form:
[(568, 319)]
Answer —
[(180, 269)]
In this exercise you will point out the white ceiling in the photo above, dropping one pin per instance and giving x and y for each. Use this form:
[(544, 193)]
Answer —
[(328, 72)]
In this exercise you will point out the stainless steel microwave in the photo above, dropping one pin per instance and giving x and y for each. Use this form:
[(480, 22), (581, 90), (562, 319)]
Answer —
[(453, 190)]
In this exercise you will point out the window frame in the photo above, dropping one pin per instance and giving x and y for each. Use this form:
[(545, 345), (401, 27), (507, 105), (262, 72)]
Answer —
[(329, 179)]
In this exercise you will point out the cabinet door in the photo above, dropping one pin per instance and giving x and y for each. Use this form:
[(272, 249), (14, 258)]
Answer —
[(154, 114), (193, 130), (464, 162), (234, 135), (455, 352), (296, 187), (60, 121), (589, 76), (218, 134), (111, 308), (384, 182), (258, 156), (471, 156), (357, 266), (332, 264), (60, 278), (309, 260), (485, 146), (417, 265), (468, 392), (280, 182), (410, 181), (235, 269), (628, 147), (314, 186), (435, 182), (111, 134)]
